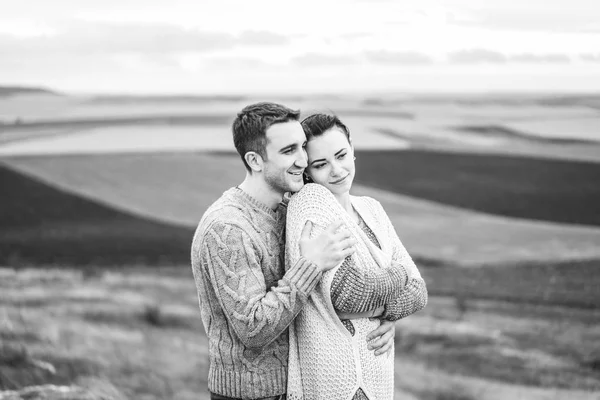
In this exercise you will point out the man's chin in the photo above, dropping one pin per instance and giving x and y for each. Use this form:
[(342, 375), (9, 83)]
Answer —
[(295, 186)]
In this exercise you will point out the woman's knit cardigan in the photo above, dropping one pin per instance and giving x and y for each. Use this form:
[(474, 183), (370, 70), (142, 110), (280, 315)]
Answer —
[(326, 361)]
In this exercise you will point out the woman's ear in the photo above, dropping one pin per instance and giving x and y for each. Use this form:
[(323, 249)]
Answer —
[(254, 160)]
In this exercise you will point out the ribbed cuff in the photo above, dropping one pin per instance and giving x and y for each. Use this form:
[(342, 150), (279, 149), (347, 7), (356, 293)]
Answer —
[(304, 275), (247, 385), (355, 291)]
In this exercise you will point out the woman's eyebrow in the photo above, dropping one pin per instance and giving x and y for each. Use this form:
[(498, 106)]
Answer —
[(322, 159)]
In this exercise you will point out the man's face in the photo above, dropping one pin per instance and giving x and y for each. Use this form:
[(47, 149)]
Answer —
[(286, 157)]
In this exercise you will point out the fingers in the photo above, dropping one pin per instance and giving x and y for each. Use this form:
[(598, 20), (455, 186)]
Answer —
[(347, 243), (306, 230), (347, 253), (334, 226), (382, 344), (385, 348), (377, 332), (382, 338), (343, 234)]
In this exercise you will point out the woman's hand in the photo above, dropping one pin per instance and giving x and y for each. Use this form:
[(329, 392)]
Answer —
[(382, 338)]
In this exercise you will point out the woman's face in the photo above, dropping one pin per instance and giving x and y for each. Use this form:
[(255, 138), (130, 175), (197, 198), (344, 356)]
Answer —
[(331, 161)]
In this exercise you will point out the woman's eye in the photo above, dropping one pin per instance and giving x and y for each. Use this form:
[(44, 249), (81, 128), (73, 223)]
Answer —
[(341, 156), (318, 166)]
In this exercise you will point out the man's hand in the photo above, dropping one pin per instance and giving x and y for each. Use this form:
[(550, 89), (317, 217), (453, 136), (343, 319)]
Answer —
[(328, 249), (382, 338)]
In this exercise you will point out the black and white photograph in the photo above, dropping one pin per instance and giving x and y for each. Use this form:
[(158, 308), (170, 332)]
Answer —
[(320, 200)]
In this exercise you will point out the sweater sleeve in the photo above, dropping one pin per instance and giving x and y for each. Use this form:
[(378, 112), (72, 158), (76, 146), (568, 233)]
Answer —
[(355, 290), (257, 314), (414, 295)]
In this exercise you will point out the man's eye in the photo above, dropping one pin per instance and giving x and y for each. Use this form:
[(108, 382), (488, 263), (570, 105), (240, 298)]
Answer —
[(318, 166)]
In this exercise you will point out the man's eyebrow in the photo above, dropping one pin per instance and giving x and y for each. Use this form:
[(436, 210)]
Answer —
[(288, 147)]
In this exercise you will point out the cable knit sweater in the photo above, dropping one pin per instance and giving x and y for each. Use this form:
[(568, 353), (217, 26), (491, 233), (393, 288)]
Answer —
[(247, 300), (326, 360), (232, 240)]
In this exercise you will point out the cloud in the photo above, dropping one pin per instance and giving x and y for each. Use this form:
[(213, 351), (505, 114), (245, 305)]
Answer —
[(322, 59), (546, 17), (355, 35), (540, 58), (590, 57), (237, 63), (398, 57), (479, 56), (476, 56), (262, 38), (148, 39)]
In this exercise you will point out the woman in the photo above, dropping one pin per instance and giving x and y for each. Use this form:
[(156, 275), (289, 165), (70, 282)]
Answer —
[(329, 357)]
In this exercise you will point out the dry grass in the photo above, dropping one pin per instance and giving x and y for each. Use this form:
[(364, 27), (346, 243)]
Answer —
[(138, 331), (93, 330)]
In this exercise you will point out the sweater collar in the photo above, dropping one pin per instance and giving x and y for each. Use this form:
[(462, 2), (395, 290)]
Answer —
[(240, 194)]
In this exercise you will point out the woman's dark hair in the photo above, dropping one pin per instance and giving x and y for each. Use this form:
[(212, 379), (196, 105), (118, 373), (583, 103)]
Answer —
[(317, 124)]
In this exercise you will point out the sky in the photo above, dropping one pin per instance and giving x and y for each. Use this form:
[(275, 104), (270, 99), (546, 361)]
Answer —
[(309, 46)]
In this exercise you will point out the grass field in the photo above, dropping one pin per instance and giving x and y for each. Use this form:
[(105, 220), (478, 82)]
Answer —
[(139, 332), (521, 187), (97, 289), (42, 225), (541, 189), (177, 187)]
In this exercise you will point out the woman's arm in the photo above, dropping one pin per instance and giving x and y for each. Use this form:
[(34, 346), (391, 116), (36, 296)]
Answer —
[(354, 290), (412, 299), (414, 295)]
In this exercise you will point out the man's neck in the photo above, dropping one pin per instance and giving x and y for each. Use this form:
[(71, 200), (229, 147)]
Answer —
[(258, 189)]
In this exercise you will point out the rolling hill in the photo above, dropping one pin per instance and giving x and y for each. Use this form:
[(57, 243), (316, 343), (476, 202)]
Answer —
[(44, 225), (6, 91)]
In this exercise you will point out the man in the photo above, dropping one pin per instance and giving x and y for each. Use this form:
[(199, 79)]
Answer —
[(246, 297)]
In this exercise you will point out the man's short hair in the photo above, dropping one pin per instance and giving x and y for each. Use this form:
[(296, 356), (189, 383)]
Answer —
[(251, 124)]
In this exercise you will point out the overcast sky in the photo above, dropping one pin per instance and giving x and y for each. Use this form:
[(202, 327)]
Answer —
[(193, 46)]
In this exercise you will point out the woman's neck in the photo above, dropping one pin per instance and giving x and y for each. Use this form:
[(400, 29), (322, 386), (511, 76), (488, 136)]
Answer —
[(344, 200)]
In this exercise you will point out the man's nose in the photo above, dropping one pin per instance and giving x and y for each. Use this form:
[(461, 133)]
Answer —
[(302, 160)]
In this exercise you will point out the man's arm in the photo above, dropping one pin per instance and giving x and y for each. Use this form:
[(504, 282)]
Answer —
[(259, 314)]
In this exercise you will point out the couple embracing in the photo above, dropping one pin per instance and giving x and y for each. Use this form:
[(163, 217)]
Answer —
[(298, 294)]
